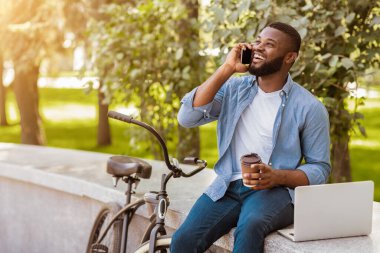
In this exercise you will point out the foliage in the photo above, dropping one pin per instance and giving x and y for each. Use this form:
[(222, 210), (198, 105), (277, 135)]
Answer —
[(344, 45), (30, 30), (142, 52)]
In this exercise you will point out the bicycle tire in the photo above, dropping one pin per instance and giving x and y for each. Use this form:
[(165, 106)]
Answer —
[(113, 238), (162, 243)]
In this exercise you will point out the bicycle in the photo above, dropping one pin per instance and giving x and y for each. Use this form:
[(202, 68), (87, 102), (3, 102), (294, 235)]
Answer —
[(109, 233)]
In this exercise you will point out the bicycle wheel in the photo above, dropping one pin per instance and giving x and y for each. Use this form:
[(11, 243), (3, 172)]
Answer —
[(111, 242), (162, 245)]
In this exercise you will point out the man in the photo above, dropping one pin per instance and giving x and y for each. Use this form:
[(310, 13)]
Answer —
[(265, 113)]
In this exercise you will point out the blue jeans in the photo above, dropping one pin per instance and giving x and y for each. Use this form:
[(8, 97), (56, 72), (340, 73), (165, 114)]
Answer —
[(254, 214)]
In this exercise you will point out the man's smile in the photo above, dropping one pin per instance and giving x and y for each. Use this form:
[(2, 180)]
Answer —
[(257, 58)]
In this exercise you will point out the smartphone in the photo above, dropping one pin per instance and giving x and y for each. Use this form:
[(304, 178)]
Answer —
[(246, 56)]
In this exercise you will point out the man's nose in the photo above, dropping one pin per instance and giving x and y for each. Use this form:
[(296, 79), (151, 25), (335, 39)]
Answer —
[(258, 46)]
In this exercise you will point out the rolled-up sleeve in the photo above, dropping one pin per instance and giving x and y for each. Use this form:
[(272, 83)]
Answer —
[(315, 141), (190, 116)]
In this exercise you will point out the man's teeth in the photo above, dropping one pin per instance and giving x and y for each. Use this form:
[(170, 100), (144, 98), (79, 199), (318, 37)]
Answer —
[(259, 57)]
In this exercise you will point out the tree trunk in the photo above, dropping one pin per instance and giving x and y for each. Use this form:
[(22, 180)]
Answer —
[(188, 139), (188, 142), (3, 111), (26, 92), (104, 133), (341, 166)]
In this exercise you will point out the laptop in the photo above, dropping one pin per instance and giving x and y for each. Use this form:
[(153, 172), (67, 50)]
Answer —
[(331, 211)]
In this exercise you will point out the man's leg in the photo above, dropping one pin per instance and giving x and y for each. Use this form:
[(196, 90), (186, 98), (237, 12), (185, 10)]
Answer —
[(207, 222), (262, 212)]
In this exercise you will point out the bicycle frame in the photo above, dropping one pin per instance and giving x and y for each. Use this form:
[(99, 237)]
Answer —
[(157, 224), (156, 227), (128, 211)]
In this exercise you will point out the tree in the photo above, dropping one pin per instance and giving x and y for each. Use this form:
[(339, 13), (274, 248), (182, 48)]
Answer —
[(343, 51), (77, 14), (340, 41), (3, 114), (188, 138), (150, 51), (30, 30)]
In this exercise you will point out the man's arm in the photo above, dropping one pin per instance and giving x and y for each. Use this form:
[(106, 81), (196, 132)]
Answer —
[(207, 90), (202, 105)]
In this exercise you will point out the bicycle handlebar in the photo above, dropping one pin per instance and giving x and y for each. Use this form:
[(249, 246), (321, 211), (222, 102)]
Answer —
[(201, 165), (129, 119), (195, 161), (176, 171), (120, 116)]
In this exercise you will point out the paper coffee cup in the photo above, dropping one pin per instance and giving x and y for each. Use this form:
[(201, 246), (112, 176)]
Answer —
[(246, 162)]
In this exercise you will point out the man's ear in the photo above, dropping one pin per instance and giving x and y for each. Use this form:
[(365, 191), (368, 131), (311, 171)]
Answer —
[(291, 57)]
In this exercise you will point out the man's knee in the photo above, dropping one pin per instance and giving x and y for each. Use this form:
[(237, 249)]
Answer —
[(183, 240), (257, 226)]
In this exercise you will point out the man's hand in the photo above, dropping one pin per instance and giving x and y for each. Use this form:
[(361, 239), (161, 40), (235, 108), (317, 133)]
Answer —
[(207, 90), (264, 178), (233, 59)]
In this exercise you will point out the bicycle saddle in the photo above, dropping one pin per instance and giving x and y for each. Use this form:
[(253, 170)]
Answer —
[(122, 166)]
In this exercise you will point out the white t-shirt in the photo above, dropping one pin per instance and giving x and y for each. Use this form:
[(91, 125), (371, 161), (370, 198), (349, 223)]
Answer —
[(254, 130)]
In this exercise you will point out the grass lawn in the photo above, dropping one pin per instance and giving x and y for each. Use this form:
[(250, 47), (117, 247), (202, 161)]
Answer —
[(365, 152), (69, 118)]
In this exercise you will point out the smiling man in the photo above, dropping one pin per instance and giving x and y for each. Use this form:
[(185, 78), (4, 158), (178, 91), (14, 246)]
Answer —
[(265, 113)]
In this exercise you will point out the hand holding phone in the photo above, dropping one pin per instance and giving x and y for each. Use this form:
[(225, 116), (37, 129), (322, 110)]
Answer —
[(246, 56)]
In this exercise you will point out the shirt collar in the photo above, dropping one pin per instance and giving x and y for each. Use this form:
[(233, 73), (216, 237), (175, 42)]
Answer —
[(286, 88), (288, 85)]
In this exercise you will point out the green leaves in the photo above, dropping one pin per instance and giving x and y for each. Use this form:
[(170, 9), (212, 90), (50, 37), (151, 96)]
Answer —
[(333, 61), (262, 5), (350, 18), (347, 63), (339, 31), (375, 21), (30, 30), (147, 52), (179, 53), (218, 13)]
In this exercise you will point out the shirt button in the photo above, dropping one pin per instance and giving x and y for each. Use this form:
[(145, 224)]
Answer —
[(270, 164), (283, 105)]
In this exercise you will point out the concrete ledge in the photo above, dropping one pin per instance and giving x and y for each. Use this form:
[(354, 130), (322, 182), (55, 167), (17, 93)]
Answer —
[(80, 174), (74, 183)]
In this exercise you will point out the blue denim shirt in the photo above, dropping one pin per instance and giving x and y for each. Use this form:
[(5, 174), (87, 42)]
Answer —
[(300, 132)]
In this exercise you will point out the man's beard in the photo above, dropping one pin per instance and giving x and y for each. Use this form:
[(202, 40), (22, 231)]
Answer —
[(268, 67)]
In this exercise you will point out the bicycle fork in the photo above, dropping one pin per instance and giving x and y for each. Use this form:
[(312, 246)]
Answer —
[(162, 207)]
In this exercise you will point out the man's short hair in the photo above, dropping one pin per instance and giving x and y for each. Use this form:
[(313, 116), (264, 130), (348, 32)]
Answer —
[(292, 33)]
